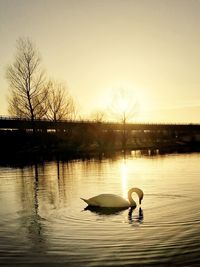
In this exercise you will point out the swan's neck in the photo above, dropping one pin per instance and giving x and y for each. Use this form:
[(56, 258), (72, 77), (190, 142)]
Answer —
[(138, 192)]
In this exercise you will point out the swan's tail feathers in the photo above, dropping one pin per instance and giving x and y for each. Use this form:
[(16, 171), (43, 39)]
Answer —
[(84, 200)]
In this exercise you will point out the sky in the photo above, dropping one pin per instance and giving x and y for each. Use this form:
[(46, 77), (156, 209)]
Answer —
[(150, 48)]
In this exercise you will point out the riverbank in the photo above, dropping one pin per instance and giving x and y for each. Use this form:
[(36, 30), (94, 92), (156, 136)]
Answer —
[(24, 148)]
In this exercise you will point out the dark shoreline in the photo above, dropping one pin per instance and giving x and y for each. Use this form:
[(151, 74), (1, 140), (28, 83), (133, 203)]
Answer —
[(25, 148), (38, 156)]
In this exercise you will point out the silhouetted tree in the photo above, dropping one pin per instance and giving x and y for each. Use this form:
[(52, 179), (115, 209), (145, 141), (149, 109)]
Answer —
[(123, 108), (98, 116), (59, 104), (26, 82)]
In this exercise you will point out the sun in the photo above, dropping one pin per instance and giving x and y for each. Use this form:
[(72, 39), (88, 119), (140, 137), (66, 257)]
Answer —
[(123, 104), (127, 100)]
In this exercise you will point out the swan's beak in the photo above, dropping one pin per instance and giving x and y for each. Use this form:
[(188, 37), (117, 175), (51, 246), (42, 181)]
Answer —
[(140, 201)]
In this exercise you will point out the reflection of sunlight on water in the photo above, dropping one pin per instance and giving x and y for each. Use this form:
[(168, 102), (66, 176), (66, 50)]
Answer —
[(124, 176)]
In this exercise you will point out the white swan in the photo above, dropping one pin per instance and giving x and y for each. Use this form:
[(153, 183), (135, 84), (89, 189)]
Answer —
[(115, 201)]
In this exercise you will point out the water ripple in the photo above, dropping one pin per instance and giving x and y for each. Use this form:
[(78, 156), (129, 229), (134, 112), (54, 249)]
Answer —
[(44, 222)]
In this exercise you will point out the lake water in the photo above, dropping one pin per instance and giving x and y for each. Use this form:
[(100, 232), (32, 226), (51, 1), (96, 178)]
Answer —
[(43, 221)]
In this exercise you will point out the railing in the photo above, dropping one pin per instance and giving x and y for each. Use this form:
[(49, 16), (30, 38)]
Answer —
[(2, 117), (7, 122)]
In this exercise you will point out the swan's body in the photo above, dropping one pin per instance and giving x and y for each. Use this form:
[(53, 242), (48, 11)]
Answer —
[(114, 201)]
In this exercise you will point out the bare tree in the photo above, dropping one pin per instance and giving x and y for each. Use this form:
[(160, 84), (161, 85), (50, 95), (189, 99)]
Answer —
[(26, 82), (98, 116), (59, 104), (123, 108)]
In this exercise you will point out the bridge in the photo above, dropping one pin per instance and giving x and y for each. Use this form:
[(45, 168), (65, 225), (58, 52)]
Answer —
[(12, 123)]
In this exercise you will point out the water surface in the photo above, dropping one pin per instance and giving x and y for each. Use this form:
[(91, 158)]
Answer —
[(43, 221)]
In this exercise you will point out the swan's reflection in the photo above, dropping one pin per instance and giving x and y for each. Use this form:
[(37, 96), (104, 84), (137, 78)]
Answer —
[(105, 211), (138, 218), (115, 211)]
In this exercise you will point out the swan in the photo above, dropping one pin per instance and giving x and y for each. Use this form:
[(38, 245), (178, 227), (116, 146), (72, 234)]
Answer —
[(115, 201)]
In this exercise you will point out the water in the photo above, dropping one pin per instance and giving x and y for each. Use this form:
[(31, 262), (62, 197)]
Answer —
[(43, 221)]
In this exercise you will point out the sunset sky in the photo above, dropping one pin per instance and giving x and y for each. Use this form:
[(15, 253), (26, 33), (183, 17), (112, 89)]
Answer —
[(151, 48)]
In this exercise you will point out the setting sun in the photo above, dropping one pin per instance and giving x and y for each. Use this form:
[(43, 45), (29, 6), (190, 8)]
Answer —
[(123, 105)]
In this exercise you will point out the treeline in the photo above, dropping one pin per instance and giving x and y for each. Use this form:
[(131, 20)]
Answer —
[(89, 140), (77, 142)]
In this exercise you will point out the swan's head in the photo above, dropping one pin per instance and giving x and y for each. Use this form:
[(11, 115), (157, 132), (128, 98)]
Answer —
[(141, 198), (138, 191)]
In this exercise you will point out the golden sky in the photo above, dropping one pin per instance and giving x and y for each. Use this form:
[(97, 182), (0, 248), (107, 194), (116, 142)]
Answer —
[(149, 47)]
